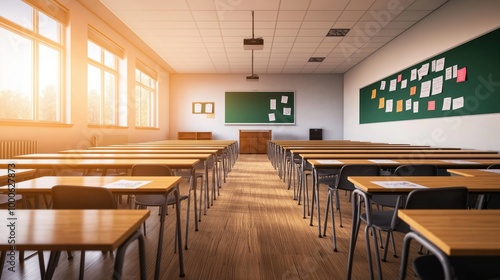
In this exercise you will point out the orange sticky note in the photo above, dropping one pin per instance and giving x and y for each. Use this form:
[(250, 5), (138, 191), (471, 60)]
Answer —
[(431, 105), (381, 102), (399, 106), (413, 90), (374, 93)]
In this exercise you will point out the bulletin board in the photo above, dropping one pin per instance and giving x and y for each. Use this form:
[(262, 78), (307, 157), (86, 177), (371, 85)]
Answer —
[(464, 80), (260, 108)]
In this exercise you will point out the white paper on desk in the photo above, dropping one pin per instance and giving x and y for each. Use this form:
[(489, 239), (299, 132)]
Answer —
[(382, 161), (398, 185), (329, 161), (459, 161), (129, 184), (491, 170)]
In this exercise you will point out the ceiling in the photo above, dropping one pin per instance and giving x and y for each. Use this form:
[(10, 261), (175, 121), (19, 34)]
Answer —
[(206, 36)]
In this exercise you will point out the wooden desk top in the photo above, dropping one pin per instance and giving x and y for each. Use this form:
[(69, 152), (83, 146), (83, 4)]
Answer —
[(474, 184), (401, 156), (115, 156), (458, 232), (43, 185), (71, 229), (20, 175), (159, 147), (139, 151), (414, 151), (96, 163), (475, 172), (391, 163)]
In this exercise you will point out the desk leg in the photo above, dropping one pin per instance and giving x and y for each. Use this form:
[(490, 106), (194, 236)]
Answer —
[(194, 182), (356, 208), (120, 255), (51, 266), (179, 232)]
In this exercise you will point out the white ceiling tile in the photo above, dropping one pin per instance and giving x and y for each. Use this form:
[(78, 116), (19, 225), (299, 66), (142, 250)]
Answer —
[(322, 16), (207, 36), (291, 15), (328, 5)]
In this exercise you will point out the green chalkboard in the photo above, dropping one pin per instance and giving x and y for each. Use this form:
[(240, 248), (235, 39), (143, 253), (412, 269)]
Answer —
[(478, 93), (260, 108)]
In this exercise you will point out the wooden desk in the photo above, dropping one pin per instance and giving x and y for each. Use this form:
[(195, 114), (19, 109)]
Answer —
[(453, 233), (60, 230), (389, 163), (159, 185), (19, 175), (367, 185), (474, 172)]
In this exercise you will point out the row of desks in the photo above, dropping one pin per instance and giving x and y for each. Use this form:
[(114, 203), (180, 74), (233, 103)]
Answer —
[(181, 155), (440, 227), (321, 156)]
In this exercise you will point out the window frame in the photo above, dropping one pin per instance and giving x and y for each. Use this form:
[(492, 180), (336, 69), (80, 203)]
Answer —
[(37, 40)]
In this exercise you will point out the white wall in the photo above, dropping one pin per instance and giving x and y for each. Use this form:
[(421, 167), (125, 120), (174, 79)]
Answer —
[(77, 134), (318, 103), (454, 23)]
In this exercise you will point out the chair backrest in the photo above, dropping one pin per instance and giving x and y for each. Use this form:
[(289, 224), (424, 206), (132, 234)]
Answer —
[(355, 170), (416, 170), (82, 197), (150, 170), (435, 198)]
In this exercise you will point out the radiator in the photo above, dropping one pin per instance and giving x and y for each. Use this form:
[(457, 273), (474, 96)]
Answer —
[(10, 149)]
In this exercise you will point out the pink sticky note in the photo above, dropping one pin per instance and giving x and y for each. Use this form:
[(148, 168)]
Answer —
[(431, 105), (400, 77), (461, 74)]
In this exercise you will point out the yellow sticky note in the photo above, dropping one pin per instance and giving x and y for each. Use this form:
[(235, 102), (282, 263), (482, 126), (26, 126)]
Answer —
[(413, 90), (399, 106), (374, 93), (381, 103)]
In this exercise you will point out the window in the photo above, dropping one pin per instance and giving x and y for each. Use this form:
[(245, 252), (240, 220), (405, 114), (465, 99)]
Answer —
[(32, 58), (145, 97), (106, 104)]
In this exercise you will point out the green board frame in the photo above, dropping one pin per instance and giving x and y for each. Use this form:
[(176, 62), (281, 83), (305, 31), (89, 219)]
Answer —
[(254, 108), (478, 94)]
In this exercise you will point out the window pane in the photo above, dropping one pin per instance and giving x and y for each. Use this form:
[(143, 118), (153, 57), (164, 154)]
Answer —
[(49, 84), (94, 51), (109, 59), (94, 94), (49, 28), (18, 12), (16, 83), (109, 98)]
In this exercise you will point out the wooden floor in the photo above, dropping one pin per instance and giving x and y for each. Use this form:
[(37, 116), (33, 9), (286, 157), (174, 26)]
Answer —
[(254, 230)]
